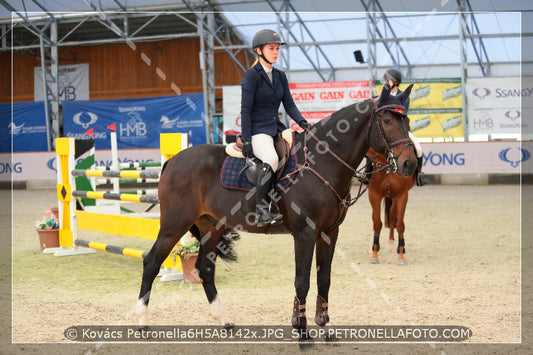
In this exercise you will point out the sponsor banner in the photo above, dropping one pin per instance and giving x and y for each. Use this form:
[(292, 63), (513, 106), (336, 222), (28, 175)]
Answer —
[(73, 82), (436, 94), (435, 107), (495, 105), (435, 124), (500, 92), (478, 157), (314, 100), (496, 120), (439, 158), (25, 122), (43, 166), (328, 96), (138, 122), (231, 101)]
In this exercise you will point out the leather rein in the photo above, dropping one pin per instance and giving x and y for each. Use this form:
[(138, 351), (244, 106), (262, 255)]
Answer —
[(391, 158)]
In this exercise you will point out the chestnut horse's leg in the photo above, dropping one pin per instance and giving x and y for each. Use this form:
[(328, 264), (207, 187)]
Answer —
[(325, 247), (304, 245), (375, 202), (401, 205)]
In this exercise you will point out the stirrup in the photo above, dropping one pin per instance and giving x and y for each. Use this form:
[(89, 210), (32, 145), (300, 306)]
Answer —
[(263, 218)]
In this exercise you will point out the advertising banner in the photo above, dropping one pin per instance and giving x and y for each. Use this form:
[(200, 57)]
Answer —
[(73, 82), (495, 105), (439, 158), (314, 100), (25, 122), (435, 107), (138, 122)]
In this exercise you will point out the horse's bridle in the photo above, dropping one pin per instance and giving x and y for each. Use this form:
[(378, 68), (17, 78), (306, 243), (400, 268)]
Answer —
[(399, 110)]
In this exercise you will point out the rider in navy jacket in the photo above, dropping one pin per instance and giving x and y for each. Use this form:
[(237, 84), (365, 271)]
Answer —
[(260, 102), (263, 89)]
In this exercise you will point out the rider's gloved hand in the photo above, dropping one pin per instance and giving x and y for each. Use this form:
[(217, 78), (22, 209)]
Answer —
[(247, 150)]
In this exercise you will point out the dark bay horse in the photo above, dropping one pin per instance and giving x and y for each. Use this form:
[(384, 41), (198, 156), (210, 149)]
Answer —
[(313, 207), (391, 188)]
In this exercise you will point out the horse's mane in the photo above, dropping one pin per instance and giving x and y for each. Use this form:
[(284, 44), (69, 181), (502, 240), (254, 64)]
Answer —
[(347, 112)]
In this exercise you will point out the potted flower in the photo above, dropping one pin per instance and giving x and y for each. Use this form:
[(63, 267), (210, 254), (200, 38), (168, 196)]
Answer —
[(187, 250), (48, 230)]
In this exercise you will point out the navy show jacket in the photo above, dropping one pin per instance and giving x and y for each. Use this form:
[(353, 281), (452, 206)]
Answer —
[(260, 100)]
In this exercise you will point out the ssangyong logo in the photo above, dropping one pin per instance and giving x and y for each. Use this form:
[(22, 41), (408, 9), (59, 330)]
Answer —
[(514, 156), (481, 92), (85, 119)]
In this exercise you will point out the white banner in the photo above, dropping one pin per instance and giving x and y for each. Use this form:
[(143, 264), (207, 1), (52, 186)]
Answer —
[(42, 165), (231, 101), (73, 82), (439, 158), (478, 157), (495, 105)]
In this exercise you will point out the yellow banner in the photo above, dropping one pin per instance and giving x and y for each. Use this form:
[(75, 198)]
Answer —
[(435, 108), (437, 125)]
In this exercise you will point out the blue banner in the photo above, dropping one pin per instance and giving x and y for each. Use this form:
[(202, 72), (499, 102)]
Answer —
[(28, 127), (138, 122)]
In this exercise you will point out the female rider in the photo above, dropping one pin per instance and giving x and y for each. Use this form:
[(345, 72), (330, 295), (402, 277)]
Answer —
[(263, 89)]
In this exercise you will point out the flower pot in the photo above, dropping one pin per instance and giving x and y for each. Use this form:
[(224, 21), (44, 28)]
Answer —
[(190, 274), (55, 212), (48, 238)]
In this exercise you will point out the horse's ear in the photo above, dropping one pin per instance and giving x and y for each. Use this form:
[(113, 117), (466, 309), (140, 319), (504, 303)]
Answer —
[(385, 93), (405, 94)]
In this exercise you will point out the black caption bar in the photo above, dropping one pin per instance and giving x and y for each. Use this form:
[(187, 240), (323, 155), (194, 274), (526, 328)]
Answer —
[(363, 333)]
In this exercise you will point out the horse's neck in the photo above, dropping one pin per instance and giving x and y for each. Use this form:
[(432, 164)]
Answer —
[(345, 135), (346, 132)]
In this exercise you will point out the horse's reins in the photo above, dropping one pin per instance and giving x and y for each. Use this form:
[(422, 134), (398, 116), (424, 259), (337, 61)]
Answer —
[(391, 159)]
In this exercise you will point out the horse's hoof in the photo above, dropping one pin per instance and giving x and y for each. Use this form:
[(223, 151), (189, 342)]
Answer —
[(401, 262), (229, 326), (374, 261), (305, 341)]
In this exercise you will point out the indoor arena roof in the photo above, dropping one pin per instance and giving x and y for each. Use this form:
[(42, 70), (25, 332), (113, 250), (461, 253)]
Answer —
[(419, 32)]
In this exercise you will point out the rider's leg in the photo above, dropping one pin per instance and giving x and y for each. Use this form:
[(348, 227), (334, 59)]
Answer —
[(263, 147), (420, 180)]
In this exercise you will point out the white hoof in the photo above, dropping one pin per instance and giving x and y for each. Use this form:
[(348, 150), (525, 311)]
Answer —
[(141, 311)]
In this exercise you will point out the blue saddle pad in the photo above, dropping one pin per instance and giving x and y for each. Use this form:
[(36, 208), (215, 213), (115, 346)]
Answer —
[(232, 178)]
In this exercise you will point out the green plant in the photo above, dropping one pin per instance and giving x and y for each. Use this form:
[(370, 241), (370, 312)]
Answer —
[(49, 221), (188, 244)]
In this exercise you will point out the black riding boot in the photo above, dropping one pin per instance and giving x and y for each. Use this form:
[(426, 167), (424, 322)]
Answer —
[(420, 180), (263, 216)]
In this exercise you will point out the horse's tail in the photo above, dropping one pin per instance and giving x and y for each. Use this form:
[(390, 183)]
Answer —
[(388, 204), (226, 250)]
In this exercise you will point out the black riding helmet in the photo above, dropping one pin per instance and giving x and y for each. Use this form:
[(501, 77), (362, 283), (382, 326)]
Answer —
[(393, 75), (263, 37)]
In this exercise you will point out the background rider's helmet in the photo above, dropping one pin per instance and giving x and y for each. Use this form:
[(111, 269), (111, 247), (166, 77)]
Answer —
[(264, 37), (393, 75)]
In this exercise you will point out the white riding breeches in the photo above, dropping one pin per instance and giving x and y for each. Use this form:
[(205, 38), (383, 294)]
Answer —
[(263, 147), (416, 143)]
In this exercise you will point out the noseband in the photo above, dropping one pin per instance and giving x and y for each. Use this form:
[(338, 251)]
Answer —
[(391, 158)]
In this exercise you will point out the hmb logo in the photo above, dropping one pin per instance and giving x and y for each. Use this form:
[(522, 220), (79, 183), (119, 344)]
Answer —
[(135, 127)]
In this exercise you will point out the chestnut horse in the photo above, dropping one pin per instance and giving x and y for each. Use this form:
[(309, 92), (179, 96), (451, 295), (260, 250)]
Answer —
[(393, 189), (313, 207)]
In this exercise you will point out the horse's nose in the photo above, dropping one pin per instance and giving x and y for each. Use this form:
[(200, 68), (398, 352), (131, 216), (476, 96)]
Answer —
[(409, 166)]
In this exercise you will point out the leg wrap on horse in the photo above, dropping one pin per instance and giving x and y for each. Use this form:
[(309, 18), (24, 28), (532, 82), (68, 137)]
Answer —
[(298, 314), (376, 242), (401, 244), (321, 315)]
